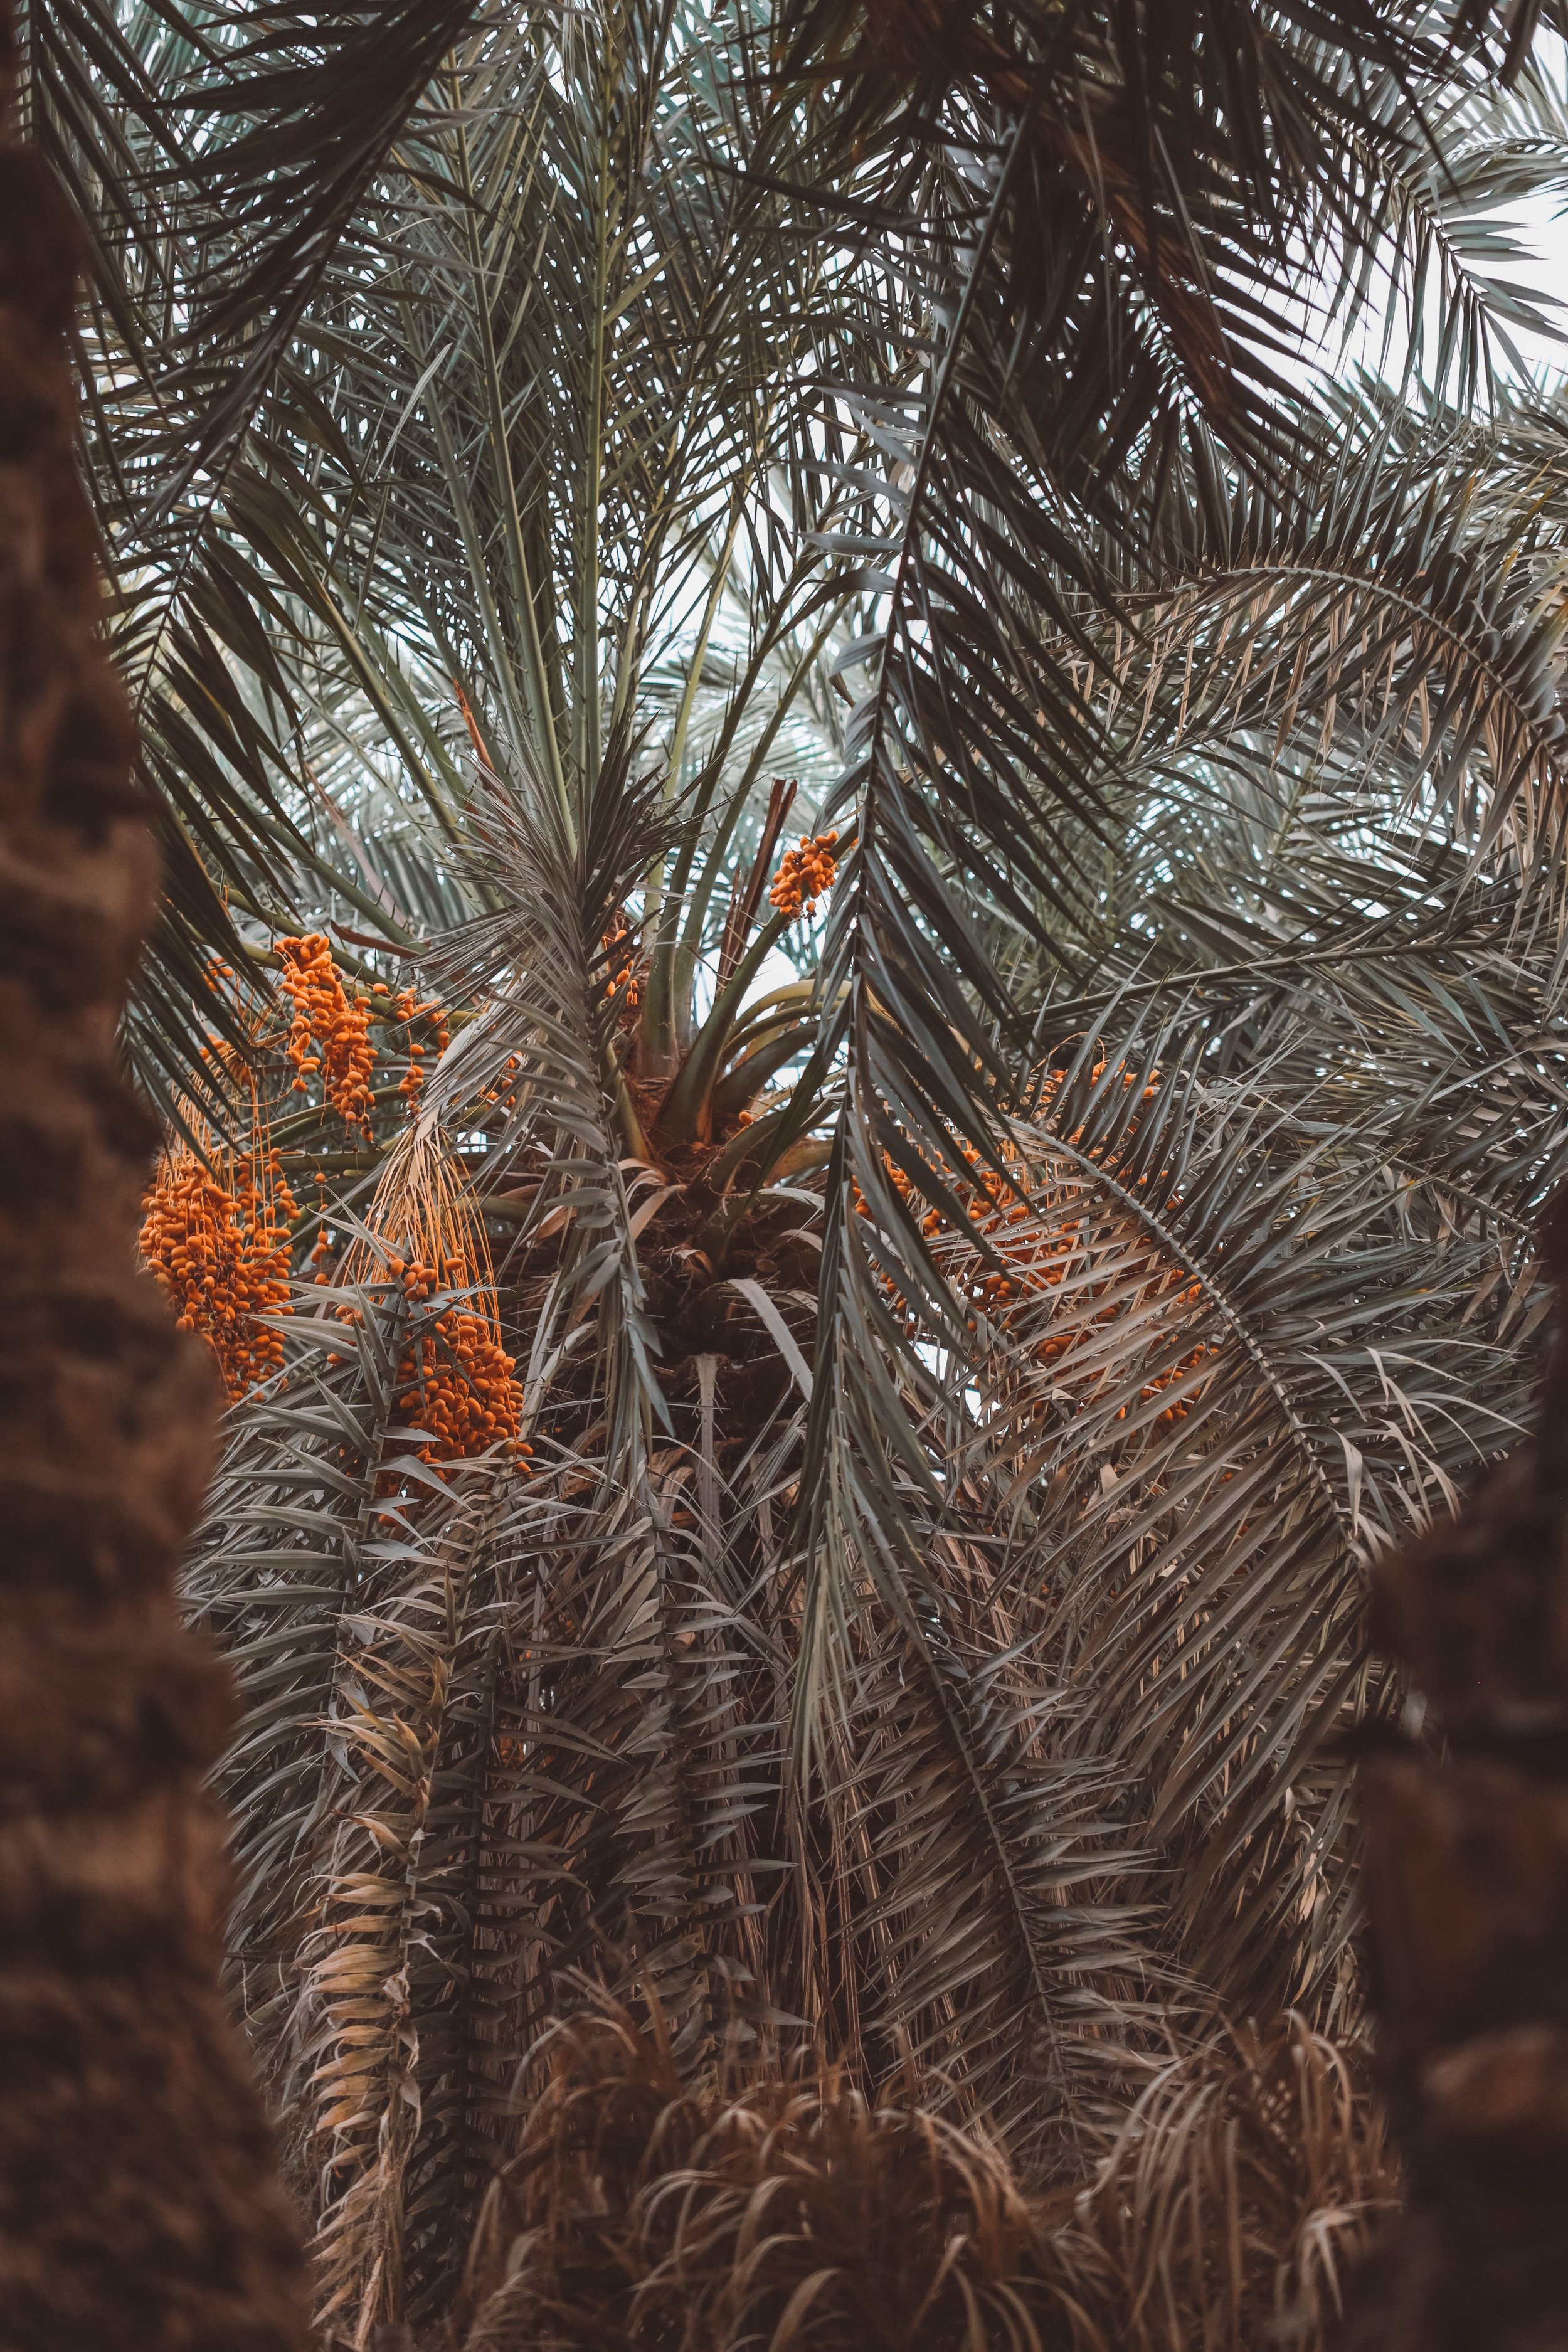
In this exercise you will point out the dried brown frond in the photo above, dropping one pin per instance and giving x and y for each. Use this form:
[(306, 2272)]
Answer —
[(1246, 2180), (765, 2210), (639, 2213)]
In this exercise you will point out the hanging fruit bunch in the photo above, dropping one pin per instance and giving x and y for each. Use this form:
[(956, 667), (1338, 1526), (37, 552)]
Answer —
[(624, 964), (217, 1241), (1038, 1257), (502, 1095), (409, 1009), (805, 876), (328, 1037), (454, 1378), (454, 1393)]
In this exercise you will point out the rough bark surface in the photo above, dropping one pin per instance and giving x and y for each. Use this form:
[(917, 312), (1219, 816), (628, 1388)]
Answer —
[(1468, 1897), (138, 2202)]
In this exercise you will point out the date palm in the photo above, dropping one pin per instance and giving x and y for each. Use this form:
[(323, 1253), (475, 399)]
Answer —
[(971, 1345)]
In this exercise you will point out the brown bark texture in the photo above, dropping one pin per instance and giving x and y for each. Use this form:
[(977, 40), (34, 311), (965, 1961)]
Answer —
[(139, 2207), (1468, 1900)]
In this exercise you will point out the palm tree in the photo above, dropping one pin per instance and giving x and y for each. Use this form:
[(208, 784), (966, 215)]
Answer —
[(969, 1346)]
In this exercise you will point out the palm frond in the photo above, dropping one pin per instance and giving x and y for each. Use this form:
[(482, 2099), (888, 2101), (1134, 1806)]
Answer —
[(1244, 2182)]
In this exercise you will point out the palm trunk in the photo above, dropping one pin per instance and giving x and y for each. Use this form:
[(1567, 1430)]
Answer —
[(138, 2204), (1467, 1895)]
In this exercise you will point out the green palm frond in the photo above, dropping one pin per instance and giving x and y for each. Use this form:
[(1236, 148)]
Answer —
[(175, 135), (1188, 183)]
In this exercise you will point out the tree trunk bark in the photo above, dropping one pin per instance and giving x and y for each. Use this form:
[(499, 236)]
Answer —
[(138, 2202), (1467, 1901)]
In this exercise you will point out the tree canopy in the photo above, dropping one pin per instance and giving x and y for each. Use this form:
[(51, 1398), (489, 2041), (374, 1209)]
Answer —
[(807, 1422)]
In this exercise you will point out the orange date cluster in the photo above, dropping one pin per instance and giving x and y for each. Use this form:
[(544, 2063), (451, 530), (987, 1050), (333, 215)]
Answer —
[(805, 876), (406, 1004), (221, 1258), (619, 943), (1040, 1257), (330, 1034), (456, 1381)]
